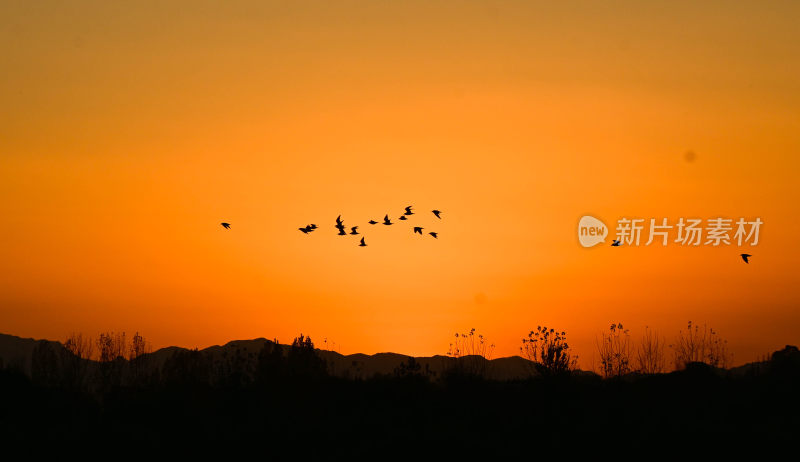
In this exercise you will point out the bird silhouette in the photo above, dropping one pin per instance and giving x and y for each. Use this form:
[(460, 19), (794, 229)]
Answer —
[(402, 217), (386, 220), (363, 244), (305, 230), (340, 226), (435, 235), (226, 225), (353, 230), (372, 222), (408, 211), (745, 256), (437, 212), (616, 243), (418, 229)]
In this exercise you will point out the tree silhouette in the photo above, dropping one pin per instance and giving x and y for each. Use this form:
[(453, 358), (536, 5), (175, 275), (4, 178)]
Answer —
[(303, 361), (75, 360), (271, 364)]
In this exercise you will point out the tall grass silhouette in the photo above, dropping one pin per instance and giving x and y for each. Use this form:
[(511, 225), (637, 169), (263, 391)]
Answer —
[(470, 353)]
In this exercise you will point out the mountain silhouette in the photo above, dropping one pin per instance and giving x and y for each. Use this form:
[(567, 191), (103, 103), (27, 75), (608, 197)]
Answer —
[(16, 350)]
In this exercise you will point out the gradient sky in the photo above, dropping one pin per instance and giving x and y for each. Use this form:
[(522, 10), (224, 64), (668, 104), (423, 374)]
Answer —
[(129, 130)]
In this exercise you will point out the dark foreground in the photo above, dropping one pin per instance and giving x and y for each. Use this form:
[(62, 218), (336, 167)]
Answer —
[(319, 416)]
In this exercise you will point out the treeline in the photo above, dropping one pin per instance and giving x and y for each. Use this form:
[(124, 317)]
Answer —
[(113, 360)]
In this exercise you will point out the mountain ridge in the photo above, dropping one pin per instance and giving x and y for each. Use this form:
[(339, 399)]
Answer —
[(18, 351)]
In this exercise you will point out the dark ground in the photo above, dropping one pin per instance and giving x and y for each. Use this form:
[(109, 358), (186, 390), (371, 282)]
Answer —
[(287, 405)]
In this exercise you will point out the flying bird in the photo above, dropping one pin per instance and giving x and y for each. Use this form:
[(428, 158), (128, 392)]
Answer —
[(353, 230), (305, 230), (372, 222), (340, 226), (386, 220), (226, 225), (616, 243), (408, 211), (437, 212), (418, 229), (403, 217), (363, 244), (435, 235), (745, 256)]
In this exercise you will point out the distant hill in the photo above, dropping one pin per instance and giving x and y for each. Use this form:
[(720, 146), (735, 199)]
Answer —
[(17, 352)]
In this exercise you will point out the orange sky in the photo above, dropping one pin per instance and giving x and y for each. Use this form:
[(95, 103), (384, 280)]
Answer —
[(128, 132)]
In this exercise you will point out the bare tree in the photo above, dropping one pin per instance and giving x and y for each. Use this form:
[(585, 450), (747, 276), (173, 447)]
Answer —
[(138, 360), (705, 346), (77, 352), (79, 345), (111, 345), (139, 347), (111, 350), (614, 348), (650, 357)]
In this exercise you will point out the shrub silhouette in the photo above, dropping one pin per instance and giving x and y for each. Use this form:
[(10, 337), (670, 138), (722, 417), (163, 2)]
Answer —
[(413, 370), (548, 351)]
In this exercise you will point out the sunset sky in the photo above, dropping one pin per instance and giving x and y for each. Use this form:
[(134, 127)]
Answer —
[(130, 130)]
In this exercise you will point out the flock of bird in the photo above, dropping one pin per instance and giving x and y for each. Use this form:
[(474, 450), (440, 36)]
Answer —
[(340, 226), (354, 229), (417, 229)]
